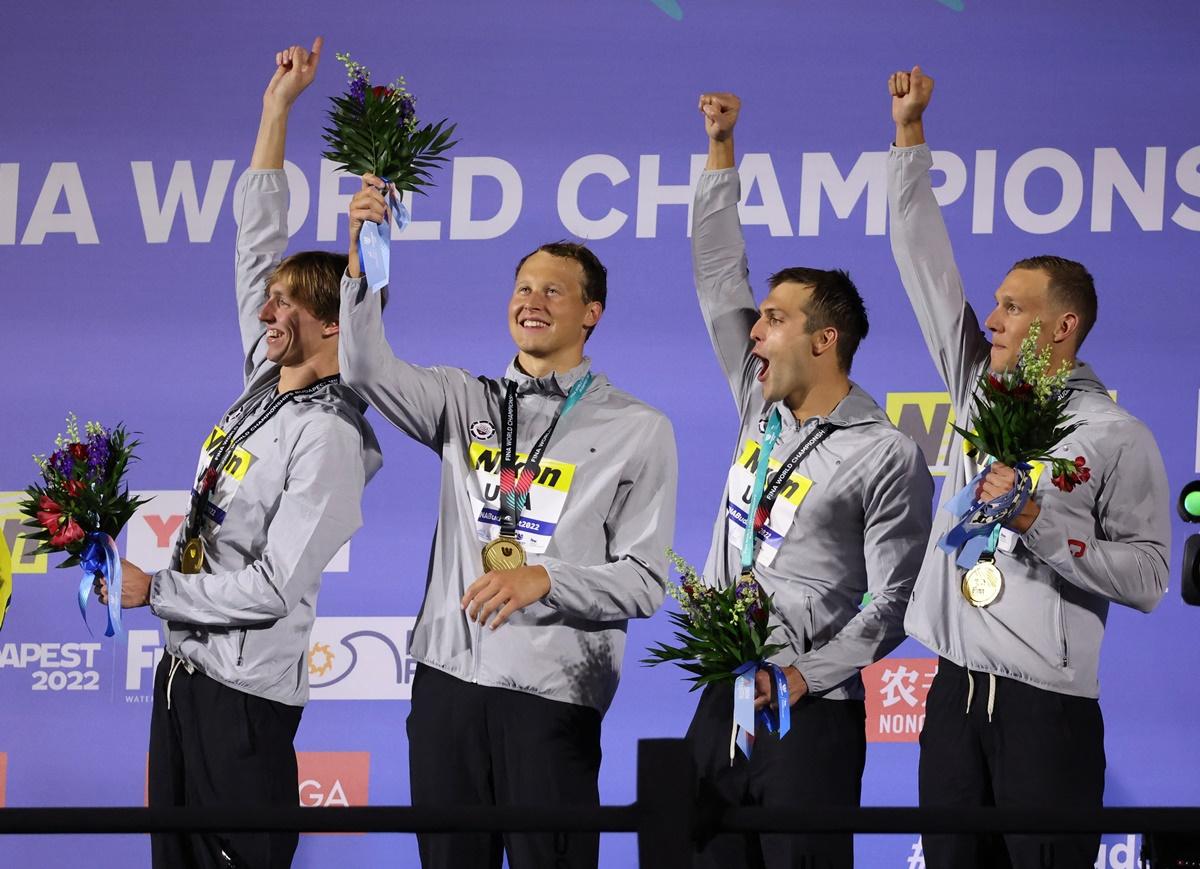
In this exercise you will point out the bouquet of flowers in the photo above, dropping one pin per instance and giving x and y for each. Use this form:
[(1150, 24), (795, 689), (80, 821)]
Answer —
[(374, 129), (1020, 414), (1018, 417), (82, 504), (720, 629)]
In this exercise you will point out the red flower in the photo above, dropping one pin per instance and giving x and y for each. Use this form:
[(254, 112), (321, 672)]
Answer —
[(74, 488), (70, 533), (49, 514), (1064, 482), (381, 91), (1021, 390), (78, 451)]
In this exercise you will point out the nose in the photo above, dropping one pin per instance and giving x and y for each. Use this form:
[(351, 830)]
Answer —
[(756, 334), (267, 312), (992, 323)]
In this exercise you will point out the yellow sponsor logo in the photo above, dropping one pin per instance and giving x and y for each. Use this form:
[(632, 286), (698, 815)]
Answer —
[(14, 527), (551, 474), (926, 417), (238, 462), (797, 485)]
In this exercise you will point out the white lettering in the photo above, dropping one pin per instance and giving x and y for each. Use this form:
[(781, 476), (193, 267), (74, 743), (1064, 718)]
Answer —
[(466, 170), (200, 218), (573, 219), (758, 169), (1187, 176), (1145, 200), (1015, 182), (652, 195), (63, 178), (820, 172)]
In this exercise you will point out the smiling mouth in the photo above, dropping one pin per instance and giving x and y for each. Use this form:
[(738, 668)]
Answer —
[(274, 334), (531, 323)]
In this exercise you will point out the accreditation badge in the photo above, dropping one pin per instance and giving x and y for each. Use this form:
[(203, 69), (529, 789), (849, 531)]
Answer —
[(740, 487), (543, 509)]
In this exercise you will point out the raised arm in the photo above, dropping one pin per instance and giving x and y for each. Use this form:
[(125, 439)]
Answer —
[(719, 250), (261, 197), (921, 246)]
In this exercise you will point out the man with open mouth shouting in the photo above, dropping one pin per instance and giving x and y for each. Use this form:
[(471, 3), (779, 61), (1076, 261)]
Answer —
[(557, 506), (842, 512)]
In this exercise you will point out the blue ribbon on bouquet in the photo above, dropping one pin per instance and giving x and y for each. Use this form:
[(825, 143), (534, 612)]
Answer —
[(375, 242), (100, 560), (972, 535), (744, 717)]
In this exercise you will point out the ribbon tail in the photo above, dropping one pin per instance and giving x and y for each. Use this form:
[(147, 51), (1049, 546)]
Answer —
[(778, 722), (113, 564), (85, 588), (743, 708), (374, 252)]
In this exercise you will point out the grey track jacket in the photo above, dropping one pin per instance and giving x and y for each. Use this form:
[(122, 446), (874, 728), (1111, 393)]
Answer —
[(600, 515), (1105, 541), (289, 499), (863, 522)]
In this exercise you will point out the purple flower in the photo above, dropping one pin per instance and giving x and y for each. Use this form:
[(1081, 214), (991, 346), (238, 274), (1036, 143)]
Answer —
[(407, 110), (61, 463), (358, 88), (99, 453)]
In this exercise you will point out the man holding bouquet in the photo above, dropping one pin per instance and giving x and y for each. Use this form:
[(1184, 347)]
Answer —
[(1013, 717), (842, 512), (557, 506), (277, 493)]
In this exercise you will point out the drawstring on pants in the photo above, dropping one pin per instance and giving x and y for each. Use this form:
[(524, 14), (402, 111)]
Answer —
[(991, 701), (176, 663)]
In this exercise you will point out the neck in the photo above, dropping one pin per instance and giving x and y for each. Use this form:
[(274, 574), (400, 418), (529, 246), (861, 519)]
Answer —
[(818, 399), (542, 366), (305, 374)]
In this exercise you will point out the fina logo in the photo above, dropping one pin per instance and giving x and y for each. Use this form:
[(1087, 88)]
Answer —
[(361, 658)]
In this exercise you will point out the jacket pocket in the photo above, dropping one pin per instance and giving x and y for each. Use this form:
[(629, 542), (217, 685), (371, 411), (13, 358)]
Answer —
[(1064, 655)]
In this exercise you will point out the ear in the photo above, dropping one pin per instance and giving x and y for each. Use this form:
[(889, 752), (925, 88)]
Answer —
[(824, 340), (1066, 327), (593, 314), (331, 328)]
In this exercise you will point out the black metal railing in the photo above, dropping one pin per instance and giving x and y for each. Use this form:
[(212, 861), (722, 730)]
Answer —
[(664, 817)]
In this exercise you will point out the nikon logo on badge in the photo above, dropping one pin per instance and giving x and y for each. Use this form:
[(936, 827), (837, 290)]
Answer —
[(896, 689), (54, 666), (361, 658)]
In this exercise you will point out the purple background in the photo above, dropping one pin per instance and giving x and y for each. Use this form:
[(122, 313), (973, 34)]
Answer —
[(145, 333)]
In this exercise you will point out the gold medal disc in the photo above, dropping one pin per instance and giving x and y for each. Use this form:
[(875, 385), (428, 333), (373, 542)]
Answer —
[(503, 553), (191, 560), (982, 584)]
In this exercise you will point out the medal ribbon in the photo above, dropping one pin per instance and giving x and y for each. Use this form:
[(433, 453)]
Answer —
[(761, 502), (979, 520), (514, 491), (744, 717), (207, 481)]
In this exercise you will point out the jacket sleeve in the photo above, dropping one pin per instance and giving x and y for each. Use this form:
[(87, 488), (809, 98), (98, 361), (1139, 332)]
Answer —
[(318, 512), (1126, 562), (921, 248), (722, 276), (896, 524), (260, 202), (639, 527), (412, 398)]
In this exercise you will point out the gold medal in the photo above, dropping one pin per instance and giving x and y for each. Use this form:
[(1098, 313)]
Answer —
[(983, 583), (191, 560), (503, 553)]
